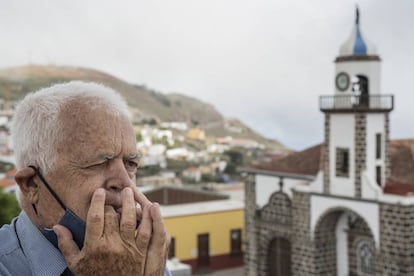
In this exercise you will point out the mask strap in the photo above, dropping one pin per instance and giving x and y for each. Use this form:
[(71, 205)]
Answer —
[(48, 187)]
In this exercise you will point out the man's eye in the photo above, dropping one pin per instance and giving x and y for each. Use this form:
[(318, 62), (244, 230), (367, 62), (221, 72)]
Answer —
[(131, 164), (96, 165)]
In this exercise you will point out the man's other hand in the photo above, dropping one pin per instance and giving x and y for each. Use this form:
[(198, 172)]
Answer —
[(114, 247)]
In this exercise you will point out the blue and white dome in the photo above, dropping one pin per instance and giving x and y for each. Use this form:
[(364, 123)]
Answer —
[(357, 44)]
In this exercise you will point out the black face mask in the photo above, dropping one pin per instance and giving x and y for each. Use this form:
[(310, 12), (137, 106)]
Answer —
[(70, 220)]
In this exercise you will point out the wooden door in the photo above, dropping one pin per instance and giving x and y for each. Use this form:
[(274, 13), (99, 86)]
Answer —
[(203, 260), (279, 254)]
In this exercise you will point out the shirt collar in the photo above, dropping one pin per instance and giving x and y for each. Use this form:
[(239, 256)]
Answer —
[(42, 256)]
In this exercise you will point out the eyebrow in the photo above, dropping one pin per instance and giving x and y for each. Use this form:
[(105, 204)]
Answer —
[(134, 155), (109, 156), (105, 156)]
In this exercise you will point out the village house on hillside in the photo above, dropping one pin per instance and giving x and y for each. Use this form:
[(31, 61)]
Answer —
[(344, 207)]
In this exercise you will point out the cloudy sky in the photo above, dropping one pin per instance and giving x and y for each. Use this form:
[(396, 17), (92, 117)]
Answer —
[(263, 61)]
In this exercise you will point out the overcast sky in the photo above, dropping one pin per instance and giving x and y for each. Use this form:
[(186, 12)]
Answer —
[(263, 61)]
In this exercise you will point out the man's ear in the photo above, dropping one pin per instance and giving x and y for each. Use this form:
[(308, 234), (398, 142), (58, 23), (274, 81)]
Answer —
[(29, 188)]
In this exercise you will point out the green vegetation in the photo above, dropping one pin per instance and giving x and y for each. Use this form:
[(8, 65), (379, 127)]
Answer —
[(235, 159), (148, 171), (9, 207)]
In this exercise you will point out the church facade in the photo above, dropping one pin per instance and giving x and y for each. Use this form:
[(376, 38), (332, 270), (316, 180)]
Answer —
[(339, 208)]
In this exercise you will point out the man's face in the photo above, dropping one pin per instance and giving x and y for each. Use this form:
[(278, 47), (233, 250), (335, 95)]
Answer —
[(99, 151)]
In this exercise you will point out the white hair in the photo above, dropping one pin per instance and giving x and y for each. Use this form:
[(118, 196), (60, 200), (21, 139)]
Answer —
[(36, 128)]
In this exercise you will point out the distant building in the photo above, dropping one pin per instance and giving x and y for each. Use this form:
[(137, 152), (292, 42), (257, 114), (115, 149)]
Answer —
[(182, 126), (179, 154), (192, 174), (344, 207), (7, 182), (196, 134), (239, 142), (207, 229), (159, 181)]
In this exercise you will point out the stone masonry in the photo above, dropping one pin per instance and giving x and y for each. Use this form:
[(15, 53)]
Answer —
[(250, 256), (397, 240), (273, 221), (302, 245), (387, 142), (360, 150), (326, 176)]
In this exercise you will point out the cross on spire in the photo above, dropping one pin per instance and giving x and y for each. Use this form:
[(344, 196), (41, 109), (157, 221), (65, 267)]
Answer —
[(357, 15)]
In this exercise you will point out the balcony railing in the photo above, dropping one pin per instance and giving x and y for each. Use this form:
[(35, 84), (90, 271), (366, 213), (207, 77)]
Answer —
[(354, 103)]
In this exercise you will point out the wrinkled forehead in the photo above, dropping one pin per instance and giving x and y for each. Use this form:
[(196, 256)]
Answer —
[(92, 125), (87, 105)]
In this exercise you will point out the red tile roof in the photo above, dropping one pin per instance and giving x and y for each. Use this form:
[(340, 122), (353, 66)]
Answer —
[(310, 161), (8, 180), (397, 188), (307, 162)]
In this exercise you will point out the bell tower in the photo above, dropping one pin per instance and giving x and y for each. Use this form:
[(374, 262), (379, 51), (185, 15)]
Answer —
[(356, 121)]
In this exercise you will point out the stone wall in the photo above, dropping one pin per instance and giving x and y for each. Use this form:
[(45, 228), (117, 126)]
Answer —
[(250, 248), (302, 245), (273, 221), (326, 174), (397, 240), (386, 145), (325, 244), (360, 150)]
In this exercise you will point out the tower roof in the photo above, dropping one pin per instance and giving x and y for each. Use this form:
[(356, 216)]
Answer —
[(357, 44)]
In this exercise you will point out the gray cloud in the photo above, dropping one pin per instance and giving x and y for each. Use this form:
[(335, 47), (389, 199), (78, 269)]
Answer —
[(265, 62)]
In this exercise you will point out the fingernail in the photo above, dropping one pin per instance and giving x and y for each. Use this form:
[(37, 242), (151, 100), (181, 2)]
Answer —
[(148, 206), (127, 191), (100, 191), (56, 230)]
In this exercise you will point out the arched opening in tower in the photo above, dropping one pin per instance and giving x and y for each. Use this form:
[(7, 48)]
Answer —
[(360, 89)]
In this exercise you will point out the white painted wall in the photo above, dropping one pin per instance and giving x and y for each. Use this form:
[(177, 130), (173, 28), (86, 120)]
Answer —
[(370, 69), (369, 187), (342, 133), (342, 246), (267, 185), (369, 211), (315, 186), (375, 124)]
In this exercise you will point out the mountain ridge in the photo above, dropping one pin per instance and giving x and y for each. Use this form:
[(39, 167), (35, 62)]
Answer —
[(145, 103)]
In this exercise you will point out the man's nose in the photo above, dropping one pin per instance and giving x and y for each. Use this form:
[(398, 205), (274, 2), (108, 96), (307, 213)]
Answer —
[(118, 176)]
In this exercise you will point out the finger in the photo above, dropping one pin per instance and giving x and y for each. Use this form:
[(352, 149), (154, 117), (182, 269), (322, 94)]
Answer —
[(158, 248), (95, 217), (138, 212), (140, 197), (144, 230), (111, 221), (129, 215), (139, 215), (66, 243), (159, 232)]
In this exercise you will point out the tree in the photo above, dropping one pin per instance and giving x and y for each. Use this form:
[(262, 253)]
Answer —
[(9, 207), (235, 159)]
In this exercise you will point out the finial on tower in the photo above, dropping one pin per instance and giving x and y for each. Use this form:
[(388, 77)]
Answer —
[(357, 15)]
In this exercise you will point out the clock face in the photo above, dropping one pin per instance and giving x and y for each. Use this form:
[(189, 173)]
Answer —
[(342, 81)]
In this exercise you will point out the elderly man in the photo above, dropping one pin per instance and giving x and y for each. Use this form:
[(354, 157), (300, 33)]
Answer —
[(82, 214)]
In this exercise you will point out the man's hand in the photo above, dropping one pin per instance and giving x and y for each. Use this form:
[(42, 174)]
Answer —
[(160, 241), (115, 247)]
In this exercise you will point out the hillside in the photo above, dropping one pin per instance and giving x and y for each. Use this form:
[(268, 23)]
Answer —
[(145, 103)]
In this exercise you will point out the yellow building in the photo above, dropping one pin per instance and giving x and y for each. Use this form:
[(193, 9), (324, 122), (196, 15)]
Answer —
[(208, 235), (196, 134)]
